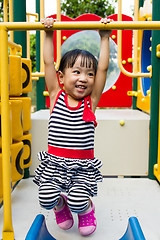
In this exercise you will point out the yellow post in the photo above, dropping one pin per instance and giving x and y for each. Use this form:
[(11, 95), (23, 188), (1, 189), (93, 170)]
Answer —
[(28, 39), (157, 166), (119, 50), (58, 34), (11, 17), (28, 32), (41, 37), (5, 126), (135, 65), (5, 10)]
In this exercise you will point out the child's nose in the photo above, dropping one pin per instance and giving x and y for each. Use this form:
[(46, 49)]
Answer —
[(83, 78)]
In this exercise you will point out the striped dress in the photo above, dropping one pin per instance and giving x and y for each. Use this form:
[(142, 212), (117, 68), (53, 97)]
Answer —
[(70, 156)]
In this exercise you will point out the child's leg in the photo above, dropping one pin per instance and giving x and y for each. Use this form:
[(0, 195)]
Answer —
[(78, 198), (63, 214), (50, 198), (49, 195), (79, 202)]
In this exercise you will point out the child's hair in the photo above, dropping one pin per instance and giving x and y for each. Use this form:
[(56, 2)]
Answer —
[(69, 58)]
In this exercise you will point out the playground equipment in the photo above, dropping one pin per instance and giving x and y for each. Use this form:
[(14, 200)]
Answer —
[(39, 231), (23, 136), (133, 231)]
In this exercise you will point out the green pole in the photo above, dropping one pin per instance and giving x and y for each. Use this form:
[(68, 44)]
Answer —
[(19, 15), (154, 91), (135, 79), (141, 3), (134, 103), (41, 82)]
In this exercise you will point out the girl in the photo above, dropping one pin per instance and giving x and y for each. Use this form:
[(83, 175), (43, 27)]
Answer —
[(69, 165)]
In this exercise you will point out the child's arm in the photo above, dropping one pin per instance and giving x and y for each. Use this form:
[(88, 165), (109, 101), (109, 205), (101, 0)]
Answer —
[(103, 65), (48, 56)]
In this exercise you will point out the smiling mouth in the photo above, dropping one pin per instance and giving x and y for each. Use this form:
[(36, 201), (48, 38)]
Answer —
[(81, 87)]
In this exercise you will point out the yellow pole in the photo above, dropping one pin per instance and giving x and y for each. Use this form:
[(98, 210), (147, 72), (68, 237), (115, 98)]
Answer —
[(119, 50), (11, 17), (58, 34), (8, 233), (28, 33), (38, 74), (35, 15), (157, 166), (135, 62), (28, 39), (15, 48), (5, 10), (84, 25), (41, 37)]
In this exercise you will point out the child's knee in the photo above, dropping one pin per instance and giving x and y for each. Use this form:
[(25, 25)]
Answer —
[(48, 195), (78, 199)]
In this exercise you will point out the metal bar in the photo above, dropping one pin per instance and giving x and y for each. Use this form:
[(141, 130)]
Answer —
[(28, 33), (135, 81), (118, 25), (58, 35), (41, 37), (15, 48), (135, 62), (5, 126), (119, 52), (157, 165), (38, 74), (154, 113), (36, 15), (14, 45), (41, 83), (5, 10), (35, 78), (11, 17), (28, 38)]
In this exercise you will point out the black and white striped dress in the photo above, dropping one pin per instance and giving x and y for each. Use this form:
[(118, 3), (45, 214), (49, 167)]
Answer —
[(70, 156)]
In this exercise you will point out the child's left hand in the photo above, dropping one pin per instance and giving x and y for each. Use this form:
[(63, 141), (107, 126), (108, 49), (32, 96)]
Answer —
[(105, 33)]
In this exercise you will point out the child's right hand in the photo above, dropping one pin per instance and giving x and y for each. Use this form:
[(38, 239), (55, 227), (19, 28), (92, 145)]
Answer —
[(48, 22)]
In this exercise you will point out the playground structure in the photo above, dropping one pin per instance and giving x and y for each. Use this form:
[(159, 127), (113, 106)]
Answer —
[(39, 230), (16, 136)]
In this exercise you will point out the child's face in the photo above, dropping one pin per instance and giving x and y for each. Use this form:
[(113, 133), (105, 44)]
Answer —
[(78, 81)]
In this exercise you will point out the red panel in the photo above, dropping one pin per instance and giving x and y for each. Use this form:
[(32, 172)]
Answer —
[(110, 98), (118, 97)]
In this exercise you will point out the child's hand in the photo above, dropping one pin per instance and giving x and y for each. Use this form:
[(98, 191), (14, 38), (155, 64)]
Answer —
[(48, 22), (105, 33)]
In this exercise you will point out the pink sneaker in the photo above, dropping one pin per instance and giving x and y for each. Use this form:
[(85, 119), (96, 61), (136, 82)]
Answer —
[(87, 222), (64, 216)]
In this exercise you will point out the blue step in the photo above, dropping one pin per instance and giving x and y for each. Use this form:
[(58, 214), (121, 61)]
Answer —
[(134, 231), (38, 230)]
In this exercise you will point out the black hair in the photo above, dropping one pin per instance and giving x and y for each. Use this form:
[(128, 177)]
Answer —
[(69, 58)]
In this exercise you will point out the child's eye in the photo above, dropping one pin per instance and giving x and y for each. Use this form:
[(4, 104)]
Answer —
[(90, 74), (76, 71)]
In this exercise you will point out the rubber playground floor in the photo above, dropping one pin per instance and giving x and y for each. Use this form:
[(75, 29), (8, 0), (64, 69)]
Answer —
[(117, 200)]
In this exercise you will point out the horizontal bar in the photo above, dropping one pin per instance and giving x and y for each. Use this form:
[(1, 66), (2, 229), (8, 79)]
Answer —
[(14, 45), (36, 15), (35, 78), (32, 14), (119, 25), (38, 74)]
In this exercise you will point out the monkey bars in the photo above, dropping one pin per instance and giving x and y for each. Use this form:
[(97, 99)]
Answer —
[(8, 232), (117, 25)]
